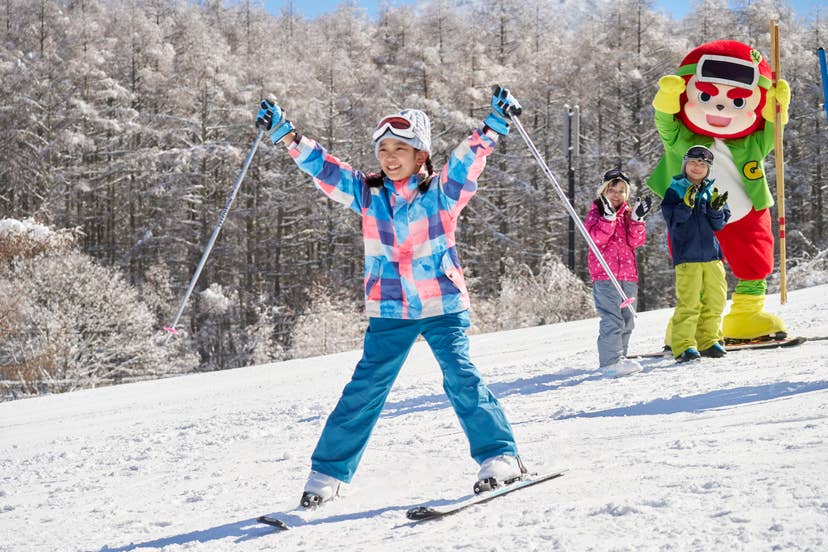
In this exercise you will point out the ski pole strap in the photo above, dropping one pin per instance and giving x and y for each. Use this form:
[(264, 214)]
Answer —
[(627, 302)]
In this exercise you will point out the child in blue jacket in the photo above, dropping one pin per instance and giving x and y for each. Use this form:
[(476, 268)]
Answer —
[(695, 211), (413, 285)]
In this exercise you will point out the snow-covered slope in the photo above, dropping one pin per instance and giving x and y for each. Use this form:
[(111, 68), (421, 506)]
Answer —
[(728, 454)]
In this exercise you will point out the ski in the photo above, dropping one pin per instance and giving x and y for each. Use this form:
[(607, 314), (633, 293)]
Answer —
[(423, 513), (273, 522), (766, 344), (744, 346), (651, 354)]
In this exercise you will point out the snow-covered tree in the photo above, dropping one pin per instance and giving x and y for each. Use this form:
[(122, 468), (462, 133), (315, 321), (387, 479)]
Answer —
[(552, 294), (331, 323), (67, 322), (130, 120)]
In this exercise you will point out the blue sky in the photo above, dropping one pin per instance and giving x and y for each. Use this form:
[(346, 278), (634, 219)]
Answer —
[(312, 8)]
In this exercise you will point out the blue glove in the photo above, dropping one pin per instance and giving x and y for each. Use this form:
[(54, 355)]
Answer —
[(504, 105), (271, 117)]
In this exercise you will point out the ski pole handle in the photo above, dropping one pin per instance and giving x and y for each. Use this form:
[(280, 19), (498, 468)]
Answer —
[(511, 108), (270, 101)]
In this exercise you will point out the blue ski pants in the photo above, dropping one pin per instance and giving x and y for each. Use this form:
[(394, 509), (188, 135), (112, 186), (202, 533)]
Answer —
[(387, 343)]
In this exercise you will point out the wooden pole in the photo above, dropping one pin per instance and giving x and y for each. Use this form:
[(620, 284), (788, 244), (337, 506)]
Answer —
[(779, 155)]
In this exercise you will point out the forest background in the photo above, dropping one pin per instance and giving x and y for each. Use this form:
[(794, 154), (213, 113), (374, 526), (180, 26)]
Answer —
[(125, 123)]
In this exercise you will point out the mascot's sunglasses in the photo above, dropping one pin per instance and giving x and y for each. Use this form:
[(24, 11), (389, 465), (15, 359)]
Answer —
[(727, 70), (615, 174), (399, 126)]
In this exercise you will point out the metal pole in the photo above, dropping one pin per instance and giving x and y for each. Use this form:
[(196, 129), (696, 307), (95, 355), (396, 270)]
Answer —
[(570, 171), (823, 70), (171, 328), (626, 302)]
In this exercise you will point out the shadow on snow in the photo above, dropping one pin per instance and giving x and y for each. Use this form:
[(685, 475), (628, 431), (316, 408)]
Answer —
[(551, 382), (708, 401), (245, 530)]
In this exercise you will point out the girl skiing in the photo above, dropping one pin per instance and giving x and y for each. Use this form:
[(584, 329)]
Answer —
[(617, 230), (413, 284)]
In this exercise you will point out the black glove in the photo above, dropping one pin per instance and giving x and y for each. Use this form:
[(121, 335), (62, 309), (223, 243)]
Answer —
[(718, 201), (606, 208), (642, 207)]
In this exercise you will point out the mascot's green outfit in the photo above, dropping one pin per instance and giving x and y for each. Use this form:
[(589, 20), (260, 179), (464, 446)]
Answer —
[(721, 97)]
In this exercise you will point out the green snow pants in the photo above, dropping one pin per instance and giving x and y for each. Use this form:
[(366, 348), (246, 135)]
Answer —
[(701, 294)]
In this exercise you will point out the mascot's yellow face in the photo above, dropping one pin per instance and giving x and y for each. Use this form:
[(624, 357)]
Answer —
[(721, 110)]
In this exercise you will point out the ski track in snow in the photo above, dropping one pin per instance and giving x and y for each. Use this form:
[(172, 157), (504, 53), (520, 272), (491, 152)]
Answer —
[(727, 454)]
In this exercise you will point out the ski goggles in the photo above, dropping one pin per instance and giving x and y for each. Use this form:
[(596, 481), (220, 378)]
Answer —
[(700, 152), (398, 125), (726, 70), (615, 174)]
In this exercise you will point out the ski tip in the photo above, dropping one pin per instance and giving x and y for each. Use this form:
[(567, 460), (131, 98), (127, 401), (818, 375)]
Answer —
[(273, 522)]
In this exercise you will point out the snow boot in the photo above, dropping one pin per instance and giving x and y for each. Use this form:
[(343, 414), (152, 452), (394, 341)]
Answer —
[(747, 319), (623, 367), (714, 351), (320, 488), (498, 471), (689, 355)]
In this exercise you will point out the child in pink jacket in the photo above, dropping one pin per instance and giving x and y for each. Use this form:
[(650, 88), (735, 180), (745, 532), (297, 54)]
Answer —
[(617, 230)]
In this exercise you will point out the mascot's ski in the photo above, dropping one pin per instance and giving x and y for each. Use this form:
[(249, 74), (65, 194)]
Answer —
[(745, 345)]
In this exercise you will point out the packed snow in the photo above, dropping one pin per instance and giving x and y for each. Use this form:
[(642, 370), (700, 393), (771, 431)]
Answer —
[(727, 454)]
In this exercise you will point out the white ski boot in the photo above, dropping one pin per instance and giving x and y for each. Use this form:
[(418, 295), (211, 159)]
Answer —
[(319, 489), (624, 367), (498, 471)]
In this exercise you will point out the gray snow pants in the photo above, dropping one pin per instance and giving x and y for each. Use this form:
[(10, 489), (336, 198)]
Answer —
[(616, 323)]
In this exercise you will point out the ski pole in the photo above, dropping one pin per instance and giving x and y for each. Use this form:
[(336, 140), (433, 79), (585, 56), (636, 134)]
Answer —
[(171, 328), (823, 71), (626, 302)]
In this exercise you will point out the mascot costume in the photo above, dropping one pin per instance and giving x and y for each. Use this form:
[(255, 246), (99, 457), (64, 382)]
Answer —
[(721, 97)]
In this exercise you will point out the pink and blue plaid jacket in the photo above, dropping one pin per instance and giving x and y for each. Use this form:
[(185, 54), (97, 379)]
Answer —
[(412, 269)]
